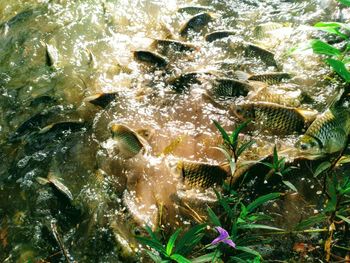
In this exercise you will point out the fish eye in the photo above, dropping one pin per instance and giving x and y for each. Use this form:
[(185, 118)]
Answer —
[(304, 146)]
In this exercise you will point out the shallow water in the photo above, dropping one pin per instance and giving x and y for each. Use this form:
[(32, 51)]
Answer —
[(90, 47)]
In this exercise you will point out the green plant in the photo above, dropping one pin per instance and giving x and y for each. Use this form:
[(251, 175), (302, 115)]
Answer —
[(278, 167)]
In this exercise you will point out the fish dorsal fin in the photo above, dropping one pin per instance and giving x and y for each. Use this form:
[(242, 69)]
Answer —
[(168, 33), (336, 98), (42, 181), (241, 75), (309, 115)]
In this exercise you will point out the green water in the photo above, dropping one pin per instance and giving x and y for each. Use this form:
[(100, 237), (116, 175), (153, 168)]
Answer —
[(90, 46)]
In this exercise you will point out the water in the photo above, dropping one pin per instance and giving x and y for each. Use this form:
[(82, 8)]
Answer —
[(90, 46)]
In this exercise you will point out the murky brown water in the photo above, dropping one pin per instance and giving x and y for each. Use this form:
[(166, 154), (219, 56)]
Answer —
[(91, 44)]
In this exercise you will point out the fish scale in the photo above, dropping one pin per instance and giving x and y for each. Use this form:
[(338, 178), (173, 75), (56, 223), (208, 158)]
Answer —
[(274, 117), (201, 174)]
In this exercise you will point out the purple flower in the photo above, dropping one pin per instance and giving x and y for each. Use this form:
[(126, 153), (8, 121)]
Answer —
[(223, 237)]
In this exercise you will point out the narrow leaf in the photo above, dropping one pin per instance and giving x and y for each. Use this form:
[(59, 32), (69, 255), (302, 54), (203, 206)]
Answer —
[(171, 242), (344, 2), (339, 67), (320, 47), (347, 220), (213, 217), (290, 185), (236, 132), (321, 168), (332, 28), (180, 259), (259, 226), (261, 200), (211, 257), (222, 131), (151, 243), (190, 239), (244, 147), (248, 250), (311, 221), (154, 257)]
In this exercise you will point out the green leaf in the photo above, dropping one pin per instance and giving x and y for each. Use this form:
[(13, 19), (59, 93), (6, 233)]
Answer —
[(248, 250), (213, 217), (152, 234), (244, 147), (275, 158), (320, 47), (332, 191), (235, 133), (190, 239), (171, 242), (211, 257), (238, 260), (151, 243), (321, 168), (261, 200), (224, 151), (259, 226), (311, 221), (290, 185), (340, 68), (222, 131), (347, 220), (180, 259), (332, 27), (268, 165), (154, 257), (344, 2)]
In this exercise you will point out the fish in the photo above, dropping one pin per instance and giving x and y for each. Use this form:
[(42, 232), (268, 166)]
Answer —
[(151, 58), (227, 87), (269, 78), (166, 46), (285, 97), (274, 117), (71, 126), (102, 99), (327, 134), (196, 23), (185, 80), (56, 184), (262, 30), (198, 174), (210, 37), (51, 55), (192, 10), (265, 55), (129, 143)]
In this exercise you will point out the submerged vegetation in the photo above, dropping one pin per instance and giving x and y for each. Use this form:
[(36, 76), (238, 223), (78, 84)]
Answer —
[(174, 131)]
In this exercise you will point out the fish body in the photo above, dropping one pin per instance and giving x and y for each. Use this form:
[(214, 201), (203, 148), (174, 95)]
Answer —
[(194, 9), (273, 117), (196, 23), (227, 87), (210, 37), (102, 99), (151, 58), (269, 78), (165, 46), (262, 30), (201, 174), (265, 55), (327, 134), (129, 143)]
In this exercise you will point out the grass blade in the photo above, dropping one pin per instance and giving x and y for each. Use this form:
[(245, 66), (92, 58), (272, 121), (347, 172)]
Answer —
[(171, 242), (248, 250), (261, 200), (151, 243), (347, 220), (180, 259), (340, 68), (211, 257), (311, 221), (320, 47), (213, 217), (190, 239), (222, 131), (259, 226)]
